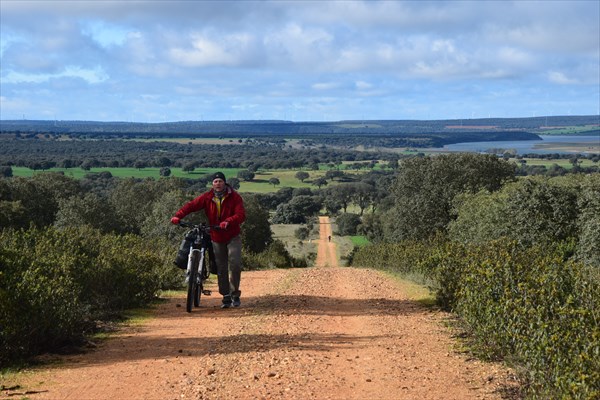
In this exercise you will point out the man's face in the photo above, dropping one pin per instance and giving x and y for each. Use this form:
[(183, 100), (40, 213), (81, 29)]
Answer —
[(218, 184)]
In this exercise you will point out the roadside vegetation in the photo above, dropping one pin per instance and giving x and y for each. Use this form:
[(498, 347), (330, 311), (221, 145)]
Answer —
[(516, 258)]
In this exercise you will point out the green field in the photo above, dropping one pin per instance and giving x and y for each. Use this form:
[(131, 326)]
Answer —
[(260, 184), (359, 240), (562, 162), (296, 247), (569, 130), (79, 173)]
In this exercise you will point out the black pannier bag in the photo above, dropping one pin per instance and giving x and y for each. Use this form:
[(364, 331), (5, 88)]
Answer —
[(182, 254)]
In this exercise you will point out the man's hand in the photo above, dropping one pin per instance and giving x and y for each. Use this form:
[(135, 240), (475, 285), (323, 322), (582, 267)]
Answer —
[(223, 225), (175, 220)]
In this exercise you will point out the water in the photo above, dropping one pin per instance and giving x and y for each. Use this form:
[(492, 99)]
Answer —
[(544, 146)]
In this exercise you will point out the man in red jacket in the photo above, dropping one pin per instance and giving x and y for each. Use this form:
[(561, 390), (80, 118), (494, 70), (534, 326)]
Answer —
[(224, 207)]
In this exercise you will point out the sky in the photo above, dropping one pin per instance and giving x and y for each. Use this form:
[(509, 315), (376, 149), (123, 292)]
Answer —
[(165, 61)]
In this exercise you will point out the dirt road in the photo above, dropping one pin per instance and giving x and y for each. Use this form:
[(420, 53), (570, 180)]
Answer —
[(319, 333)]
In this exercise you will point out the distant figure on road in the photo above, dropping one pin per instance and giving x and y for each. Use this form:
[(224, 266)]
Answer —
[(329, 238)]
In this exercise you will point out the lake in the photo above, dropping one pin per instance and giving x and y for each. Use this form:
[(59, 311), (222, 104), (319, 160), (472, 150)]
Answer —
[(548, 144)]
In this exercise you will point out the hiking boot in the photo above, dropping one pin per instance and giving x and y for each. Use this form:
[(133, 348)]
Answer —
[(226, 302), (236, 301)]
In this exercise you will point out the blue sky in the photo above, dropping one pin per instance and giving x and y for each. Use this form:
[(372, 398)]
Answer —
[(157, 61)]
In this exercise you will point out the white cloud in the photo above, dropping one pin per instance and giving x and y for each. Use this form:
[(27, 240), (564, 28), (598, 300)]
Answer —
[(325, 86), (362, 85), (365, 55), (560, 78), (92, 76)]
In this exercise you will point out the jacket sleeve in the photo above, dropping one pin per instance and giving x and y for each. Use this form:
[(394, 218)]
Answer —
[(192, 206), (239, 212)]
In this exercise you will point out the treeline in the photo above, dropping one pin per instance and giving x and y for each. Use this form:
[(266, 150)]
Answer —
[(517, 259), (286, 128), (349, 134), (45, 154)]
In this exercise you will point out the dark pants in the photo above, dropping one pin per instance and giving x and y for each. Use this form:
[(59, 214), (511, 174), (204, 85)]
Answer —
[(229, 264)]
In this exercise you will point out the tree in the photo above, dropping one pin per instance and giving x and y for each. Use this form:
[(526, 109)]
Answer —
[(130, 197), (347, 224), (245, 175), (90, 210), (320, 182), (256, 230), (362, 195), (38, 196), (6, 172), (340, 194), (297, 210), (189, 167), (534, 210), (156, 223), (332, 174), (165, 171), (302, 233), (163, 162), (234, 183), (302, 175), (426, 186), (274, 181)]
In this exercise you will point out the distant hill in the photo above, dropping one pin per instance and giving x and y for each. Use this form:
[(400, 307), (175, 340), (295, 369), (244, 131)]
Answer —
[(414, 133)]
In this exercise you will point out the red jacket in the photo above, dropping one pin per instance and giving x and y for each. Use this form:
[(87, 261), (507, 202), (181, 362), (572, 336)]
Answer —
[(231, 210)]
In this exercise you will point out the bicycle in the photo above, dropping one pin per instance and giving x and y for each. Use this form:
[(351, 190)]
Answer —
[(198, 271)]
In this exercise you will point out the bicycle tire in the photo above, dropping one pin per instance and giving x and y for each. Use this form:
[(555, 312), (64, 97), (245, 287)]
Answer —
[(201, 273), (192, 282)]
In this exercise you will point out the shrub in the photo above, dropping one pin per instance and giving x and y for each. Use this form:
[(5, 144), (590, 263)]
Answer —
[(275, 256), (534, 306), (347, 224), (302, 233), (55, 284)]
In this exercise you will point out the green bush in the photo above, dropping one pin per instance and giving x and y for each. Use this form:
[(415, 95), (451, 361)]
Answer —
[(533, 306), (275, 256), (55, 284), (347, 224)]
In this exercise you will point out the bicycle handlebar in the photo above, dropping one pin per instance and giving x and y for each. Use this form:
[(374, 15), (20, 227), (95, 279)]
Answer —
[(201, 225)]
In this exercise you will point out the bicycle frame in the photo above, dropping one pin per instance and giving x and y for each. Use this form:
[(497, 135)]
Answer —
[(197, 266)]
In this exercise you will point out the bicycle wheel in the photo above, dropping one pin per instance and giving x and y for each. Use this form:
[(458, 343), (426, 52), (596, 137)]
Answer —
[(192, 282), (200, 278)]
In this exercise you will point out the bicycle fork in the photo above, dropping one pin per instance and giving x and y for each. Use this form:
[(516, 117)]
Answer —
[(199, 277)]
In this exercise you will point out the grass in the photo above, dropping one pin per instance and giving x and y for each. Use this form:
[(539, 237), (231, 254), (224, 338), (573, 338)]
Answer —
[(344, 247), (413, 290), (260, 184), (568, 130), (359, 240), (296, 247), (548, 163), (124, 172)]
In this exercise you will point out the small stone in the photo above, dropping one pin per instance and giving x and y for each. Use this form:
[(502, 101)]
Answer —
[(210, 371)]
